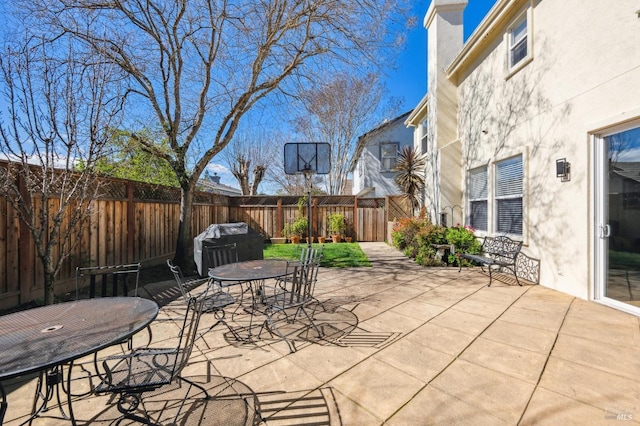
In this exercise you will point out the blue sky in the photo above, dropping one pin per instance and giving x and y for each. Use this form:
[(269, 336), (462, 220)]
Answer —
[(409, 81)]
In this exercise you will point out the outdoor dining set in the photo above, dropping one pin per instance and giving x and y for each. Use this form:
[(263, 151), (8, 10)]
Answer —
[(47, 341)]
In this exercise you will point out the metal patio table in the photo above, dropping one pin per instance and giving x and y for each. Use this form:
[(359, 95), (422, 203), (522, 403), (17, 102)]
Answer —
[(45, 338), (250, 272)]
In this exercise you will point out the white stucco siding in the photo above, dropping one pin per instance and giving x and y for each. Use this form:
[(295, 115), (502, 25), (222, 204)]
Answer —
[(585, 70), (580, 75)]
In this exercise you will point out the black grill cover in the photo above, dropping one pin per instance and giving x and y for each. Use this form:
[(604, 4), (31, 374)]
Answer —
[(250, 243)]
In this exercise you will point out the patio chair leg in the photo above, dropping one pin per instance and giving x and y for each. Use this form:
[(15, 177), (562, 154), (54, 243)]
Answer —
[(313, 324), (3, 403), (270, 325), (127, 405)]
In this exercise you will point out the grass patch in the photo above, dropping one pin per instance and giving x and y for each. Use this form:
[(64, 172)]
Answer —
[(341, 255), (624, 260)]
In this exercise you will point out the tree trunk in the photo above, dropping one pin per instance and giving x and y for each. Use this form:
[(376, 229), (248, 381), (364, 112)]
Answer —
[(184, 244), (258, 175), (49, 280)]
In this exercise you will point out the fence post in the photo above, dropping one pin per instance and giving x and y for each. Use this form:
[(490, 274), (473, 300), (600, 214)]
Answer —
[(355, 218), (213, 217), (314, 216), (279, 218), (131, 221)]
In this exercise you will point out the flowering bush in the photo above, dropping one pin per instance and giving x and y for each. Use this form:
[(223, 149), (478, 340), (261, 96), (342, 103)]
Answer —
[(416, 237)]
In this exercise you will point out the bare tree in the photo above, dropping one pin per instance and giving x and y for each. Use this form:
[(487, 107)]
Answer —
[(337, 112), (57, 115), (249, 157), (196, 67)]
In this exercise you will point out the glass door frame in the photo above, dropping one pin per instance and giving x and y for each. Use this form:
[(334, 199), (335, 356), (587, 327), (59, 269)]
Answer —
[(601, 228)]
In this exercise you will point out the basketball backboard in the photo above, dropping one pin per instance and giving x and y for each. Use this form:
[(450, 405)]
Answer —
[(307, 157)]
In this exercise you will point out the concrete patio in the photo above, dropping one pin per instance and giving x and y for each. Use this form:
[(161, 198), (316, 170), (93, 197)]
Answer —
[(405, 345)]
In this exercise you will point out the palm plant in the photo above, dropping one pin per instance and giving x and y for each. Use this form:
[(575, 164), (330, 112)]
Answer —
[(410, 167)]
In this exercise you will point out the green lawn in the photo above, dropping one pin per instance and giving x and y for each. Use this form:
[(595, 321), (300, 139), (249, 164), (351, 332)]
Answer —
[(340, 255), (624, 260)]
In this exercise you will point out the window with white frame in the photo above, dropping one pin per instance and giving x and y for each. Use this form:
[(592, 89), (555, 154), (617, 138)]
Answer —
[(423, 138), (478, 193), (508, 196), (518, 41), (388, 156)]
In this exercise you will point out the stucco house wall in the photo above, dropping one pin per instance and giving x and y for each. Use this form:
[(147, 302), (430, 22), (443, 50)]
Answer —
[(369, 179), (583, 75)]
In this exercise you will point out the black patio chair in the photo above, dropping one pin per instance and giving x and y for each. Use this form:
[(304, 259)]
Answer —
[(214, 297), (291, 295), (221, 254), (111, 279), (310, 253), (143, 370)]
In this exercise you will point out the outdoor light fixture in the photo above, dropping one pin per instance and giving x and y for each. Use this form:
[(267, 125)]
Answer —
[(563, 169)]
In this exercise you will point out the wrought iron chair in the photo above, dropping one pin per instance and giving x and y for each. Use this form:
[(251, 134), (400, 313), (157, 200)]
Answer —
[(110, 279), (309, 253), (291, 296), (3, 403), (117, 275), (215, 299), (221, 255), (143, 370)]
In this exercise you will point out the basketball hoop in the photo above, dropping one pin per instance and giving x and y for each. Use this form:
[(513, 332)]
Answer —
[(307, 158)]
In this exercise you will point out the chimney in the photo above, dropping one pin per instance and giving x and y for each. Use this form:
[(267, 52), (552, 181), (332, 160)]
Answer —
[(444, 26), (215, 178), (445, 38)]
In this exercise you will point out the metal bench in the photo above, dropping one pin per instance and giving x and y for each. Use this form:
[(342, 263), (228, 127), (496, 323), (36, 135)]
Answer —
[(499, 252)]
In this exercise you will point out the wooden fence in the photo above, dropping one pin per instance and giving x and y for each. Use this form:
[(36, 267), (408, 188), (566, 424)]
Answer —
[(137, 222)]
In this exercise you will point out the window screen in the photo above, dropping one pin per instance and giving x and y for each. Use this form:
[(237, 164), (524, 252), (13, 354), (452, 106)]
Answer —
[(478, 193), (518, 42), (509, 193), (388, 155)]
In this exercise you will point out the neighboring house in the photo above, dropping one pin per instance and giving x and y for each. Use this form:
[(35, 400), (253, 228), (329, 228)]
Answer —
[(540, 88), (348, 187), (375, 156), (212, 184)]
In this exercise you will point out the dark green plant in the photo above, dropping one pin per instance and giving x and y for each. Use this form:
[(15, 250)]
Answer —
[(416, 237), (300, 226), (465, 241), (337, 223), (426, 257), (410, 176), (287, 231)]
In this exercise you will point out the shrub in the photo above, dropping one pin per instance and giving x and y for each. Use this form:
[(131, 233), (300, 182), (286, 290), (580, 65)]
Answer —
[(300, 226), (465, 241), (415, 237), (426, 257), (337, 223), (405, 230)]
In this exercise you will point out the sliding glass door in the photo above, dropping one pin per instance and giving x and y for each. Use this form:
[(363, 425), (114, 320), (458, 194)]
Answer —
[(618, 218)]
